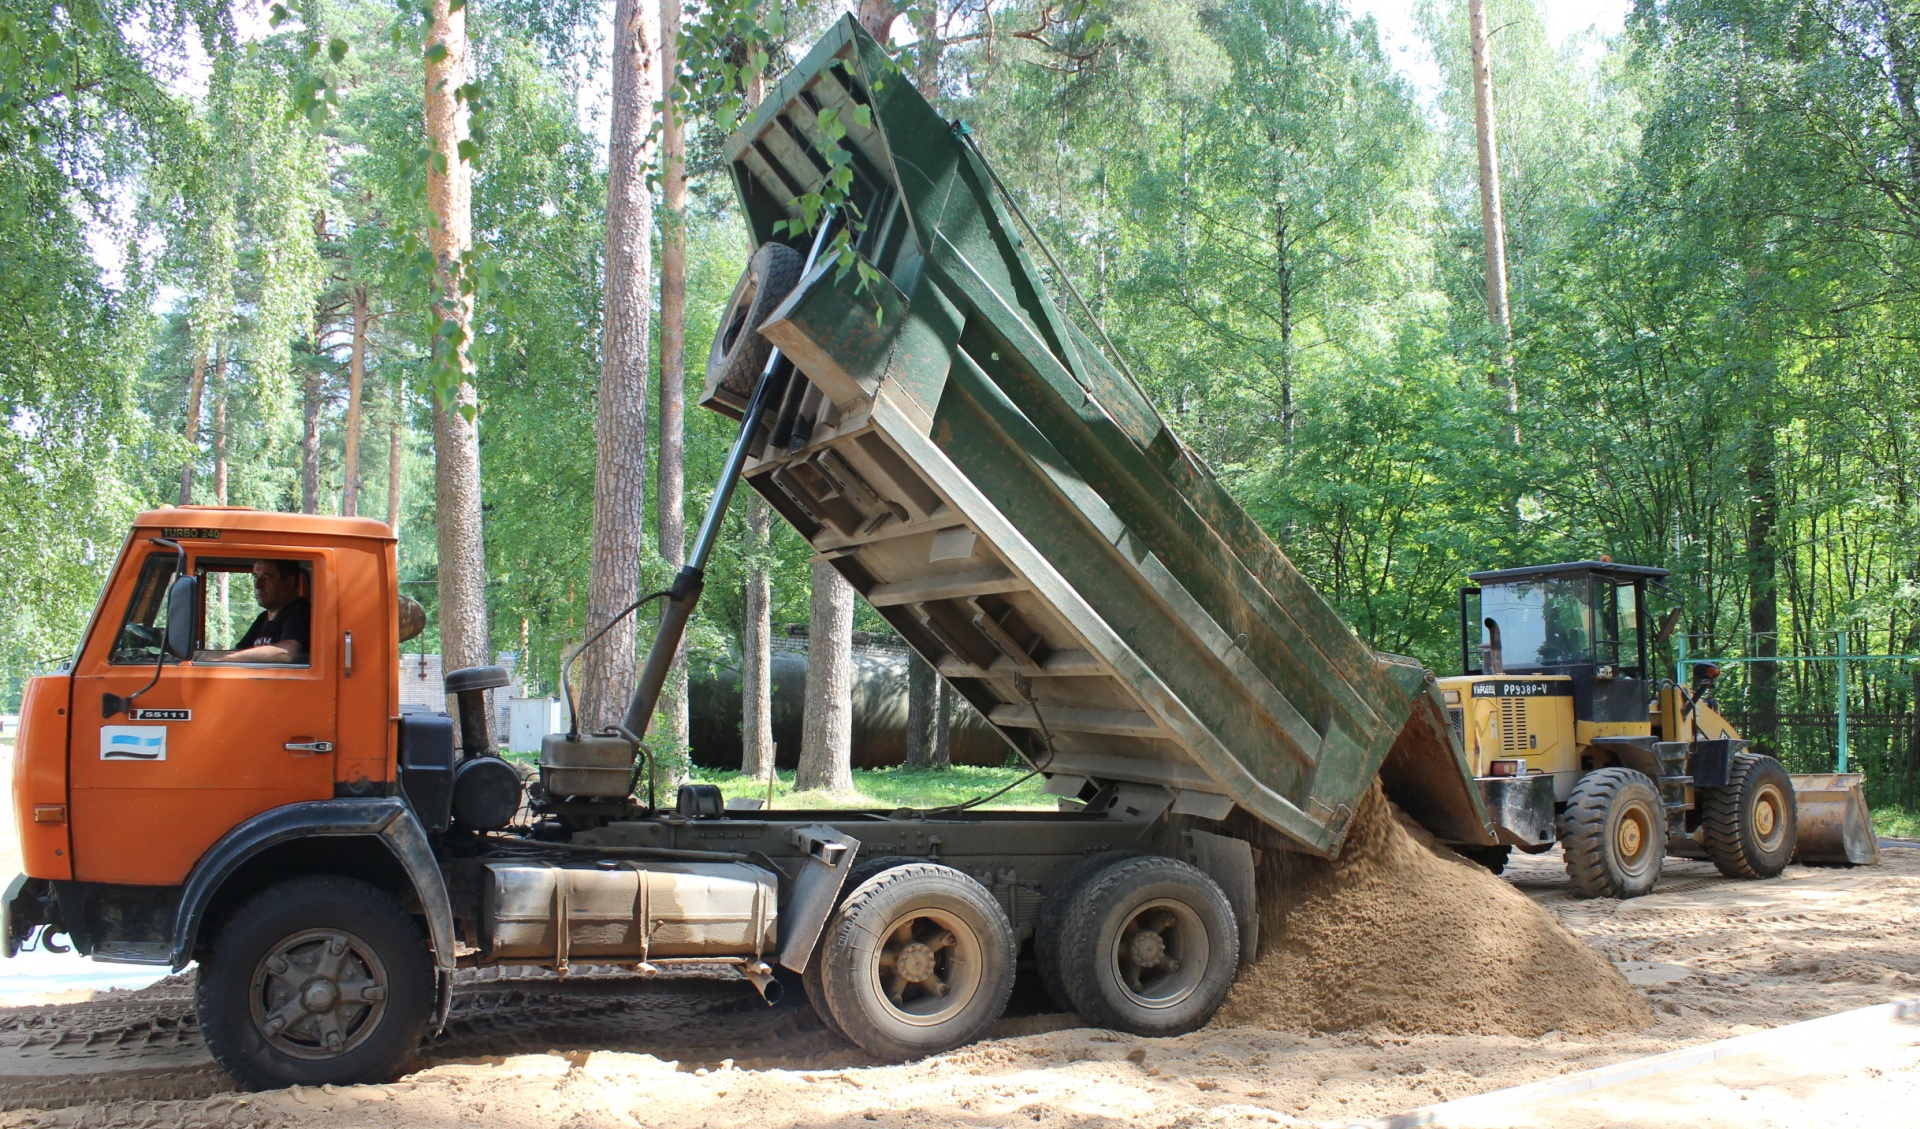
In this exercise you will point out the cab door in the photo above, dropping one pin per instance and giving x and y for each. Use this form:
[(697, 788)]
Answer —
[(212, 743)]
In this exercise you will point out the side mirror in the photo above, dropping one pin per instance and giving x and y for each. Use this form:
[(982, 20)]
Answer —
[(183, 600)]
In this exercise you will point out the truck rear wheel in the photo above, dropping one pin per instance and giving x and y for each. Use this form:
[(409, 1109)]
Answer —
[(315, 980), (918, 960), (811, 980), (1751, 824), (1150, 946), (1614, 833), (1053, 917)]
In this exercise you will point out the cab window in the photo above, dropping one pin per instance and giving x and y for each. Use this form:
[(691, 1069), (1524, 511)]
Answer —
[(255, 611), (1617, 641), (145, 622), (1542, 622)]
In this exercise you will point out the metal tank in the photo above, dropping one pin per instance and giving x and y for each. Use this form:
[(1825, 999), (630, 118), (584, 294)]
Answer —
[(1018, 511)]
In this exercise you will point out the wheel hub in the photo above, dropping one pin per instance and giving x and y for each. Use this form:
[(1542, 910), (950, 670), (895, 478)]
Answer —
[(1160, 955), (318, 993), (1631, 837), (1149, 949), (927, 967), (916, 962)]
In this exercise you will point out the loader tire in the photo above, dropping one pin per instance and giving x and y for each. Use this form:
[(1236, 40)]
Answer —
[(810, 980), (1053, 918), (315, 981), (1614, 833), (1150, 947), (918, 960), (1751, 824), (739, 353)]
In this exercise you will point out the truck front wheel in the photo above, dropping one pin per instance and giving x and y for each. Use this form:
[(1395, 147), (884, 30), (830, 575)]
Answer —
[(1149, 946), (919, 959), (314, 981)]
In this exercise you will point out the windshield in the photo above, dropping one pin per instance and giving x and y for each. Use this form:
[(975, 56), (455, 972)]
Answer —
[(1540, 622)]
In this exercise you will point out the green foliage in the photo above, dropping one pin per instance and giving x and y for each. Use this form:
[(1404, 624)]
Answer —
[(1713, 227)]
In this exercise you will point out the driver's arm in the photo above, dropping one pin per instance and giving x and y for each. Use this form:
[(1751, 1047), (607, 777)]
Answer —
[(285, 651)]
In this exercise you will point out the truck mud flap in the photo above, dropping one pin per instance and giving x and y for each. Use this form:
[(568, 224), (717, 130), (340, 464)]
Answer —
[(1229, 862), (816, 890)]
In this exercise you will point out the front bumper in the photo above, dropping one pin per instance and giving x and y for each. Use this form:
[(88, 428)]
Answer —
[(25, 910)]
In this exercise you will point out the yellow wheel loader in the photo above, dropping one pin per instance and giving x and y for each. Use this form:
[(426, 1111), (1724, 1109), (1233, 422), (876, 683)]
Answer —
[(1573, 739)]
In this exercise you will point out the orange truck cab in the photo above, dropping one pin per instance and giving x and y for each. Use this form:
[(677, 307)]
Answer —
[(144, 780)]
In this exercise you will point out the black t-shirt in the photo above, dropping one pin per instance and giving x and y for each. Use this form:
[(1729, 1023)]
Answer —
[(291, 625)]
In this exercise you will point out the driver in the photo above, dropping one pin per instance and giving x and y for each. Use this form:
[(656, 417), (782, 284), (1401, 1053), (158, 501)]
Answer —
[(280, 633)]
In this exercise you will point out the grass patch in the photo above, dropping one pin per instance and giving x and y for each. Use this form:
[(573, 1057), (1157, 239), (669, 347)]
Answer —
[(1897, 823), (889, 788)]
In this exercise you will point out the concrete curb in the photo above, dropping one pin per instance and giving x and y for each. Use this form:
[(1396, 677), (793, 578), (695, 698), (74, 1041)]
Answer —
[(1455, 1112)]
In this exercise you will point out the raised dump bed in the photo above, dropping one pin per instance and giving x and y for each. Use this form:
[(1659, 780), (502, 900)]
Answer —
[(1019, 512)]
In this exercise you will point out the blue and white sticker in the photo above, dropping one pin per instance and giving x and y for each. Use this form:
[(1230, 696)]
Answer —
[(133, 742)]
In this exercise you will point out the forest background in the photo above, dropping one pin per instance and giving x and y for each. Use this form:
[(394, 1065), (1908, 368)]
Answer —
[(1712, 231)]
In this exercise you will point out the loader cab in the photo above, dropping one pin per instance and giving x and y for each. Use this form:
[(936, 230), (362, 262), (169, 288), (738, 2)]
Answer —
[(1586, 621)]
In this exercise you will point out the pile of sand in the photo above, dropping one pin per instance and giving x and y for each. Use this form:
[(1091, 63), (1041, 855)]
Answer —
[(1400, 934)]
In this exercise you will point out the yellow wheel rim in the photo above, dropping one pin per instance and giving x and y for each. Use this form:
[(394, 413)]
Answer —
[(1631, 836), (1768, 823)]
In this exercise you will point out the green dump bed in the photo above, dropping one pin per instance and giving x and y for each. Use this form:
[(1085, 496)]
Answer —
[(1024, 518)]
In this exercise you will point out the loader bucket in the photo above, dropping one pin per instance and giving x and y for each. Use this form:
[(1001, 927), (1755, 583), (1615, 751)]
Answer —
[(1836, 828)]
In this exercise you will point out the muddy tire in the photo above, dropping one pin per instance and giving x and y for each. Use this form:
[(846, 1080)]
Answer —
[(739, 353), (1150, 946), (1614, 833), (811, 980), (315, 981), (918, 960), (1752, 824), (1493, 858), (1053, 917)]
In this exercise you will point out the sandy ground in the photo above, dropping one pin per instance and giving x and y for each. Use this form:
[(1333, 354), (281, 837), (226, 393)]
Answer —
[(1715, 958)]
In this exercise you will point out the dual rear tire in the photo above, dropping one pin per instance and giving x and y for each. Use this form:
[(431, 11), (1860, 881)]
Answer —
[(920, 958)]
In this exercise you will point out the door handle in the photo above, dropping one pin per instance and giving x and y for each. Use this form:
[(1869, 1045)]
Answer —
[(310, 746)]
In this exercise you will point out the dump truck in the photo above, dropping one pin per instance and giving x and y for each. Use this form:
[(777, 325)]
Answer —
[(915, 403)]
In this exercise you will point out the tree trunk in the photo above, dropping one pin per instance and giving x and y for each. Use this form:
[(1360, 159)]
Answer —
[(756, 659), (826, 738), (356, 381), (313, 392), (196, 389), (456, 433), (220, 615), (923, 698), (927, 48), (943, 707), (1763, 594), (395, 454), (1283, 274), (1493, 227), (673, 351), (877, 17), (620, 418)]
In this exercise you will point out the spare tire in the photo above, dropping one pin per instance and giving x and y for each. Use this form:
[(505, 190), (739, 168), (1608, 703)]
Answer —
[(739, 353)]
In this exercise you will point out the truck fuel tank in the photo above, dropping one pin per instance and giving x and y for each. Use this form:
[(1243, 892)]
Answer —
[(621, 910)]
